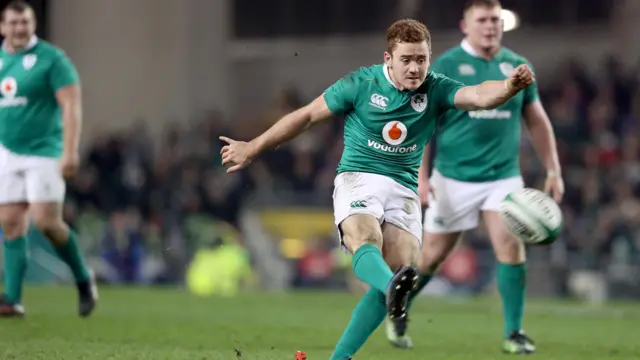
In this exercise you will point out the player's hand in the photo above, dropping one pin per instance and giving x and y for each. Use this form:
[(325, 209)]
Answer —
[(69, 164), (520, 78), (554, 186), (424, 189), (237, 154)]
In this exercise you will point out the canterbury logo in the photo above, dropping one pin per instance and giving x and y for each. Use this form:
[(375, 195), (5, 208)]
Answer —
[(379, 101), (358, 204)]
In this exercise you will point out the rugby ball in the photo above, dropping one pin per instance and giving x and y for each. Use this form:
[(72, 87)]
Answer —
[(532, 216)]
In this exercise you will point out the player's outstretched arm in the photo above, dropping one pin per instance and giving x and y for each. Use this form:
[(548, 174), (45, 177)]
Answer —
[(239, 154), (544, 142), (492, 94), (291, 125)]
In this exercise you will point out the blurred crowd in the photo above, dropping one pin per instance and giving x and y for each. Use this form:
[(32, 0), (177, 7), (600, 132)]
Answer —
[(149, 191), (596, 118)]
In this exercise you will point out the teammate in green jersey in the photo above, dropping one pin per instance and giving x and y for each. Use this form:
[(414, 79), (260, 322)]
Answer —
[(40, 115), (391, 111), (476, 165)]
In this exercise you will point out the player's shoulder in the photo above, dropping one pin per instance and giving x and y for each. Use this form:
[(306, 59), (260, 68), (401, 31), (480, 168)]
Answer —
[(47, 49), (434, 76), (433, 81), (367, 79), (511, 56), (373, 73)]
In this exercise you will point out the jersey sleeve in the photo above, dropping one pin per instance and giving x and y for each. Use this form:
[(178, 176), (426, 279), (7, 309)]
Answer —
[(446, 88), (340, 97), (63, 73), (531, 93)]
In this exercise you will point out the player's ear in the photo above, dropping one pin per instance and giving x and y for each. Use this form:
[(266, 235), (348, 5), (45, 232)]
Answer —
[(463, 26), (387, 58)]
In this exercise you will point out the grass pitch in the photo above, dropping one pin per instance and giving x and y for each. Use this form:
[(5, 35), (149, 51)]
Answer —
[(157, 324)]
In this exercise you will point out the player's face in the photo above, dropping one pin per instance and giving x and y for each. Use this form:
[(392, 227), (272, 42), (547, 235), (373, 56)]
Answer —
[(408, 64), (483, 26), (18, 27)]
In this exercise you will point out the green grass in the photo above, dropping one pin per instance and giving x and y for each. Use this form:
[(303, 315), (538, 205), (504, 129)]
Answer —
[(171, 324)]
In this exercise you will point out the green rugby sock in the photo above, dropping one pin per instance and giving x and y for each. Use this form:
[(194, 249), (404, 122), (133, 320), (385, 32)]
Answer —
[(511, 285), (71, 254), (366, 318), (423, 280), (15, 268), (370, 267)]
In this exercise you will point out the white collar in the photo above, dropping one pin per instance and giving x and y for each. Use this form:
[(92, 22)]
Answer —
[(385, 70), (32, 42), (468, 48)]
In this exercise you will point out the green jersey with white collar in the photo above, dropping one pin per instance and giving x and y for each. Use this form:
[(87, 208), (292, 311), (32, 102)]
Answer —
[(386, 129), (484, 145), (30, 117)]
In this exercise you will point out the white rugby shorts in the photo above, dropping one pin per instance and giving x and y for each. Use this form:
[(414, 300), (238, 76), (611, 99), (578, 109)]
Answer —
[(378, 196), (30, 179), (457, 205)]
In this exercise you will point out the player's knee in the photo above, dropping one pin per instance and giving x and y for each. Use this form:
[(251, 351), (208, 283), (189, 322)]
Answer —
[(49, 223), (14, 222), (401, 253), (435, 250), (358, 231), (369, 236), (509, 250)]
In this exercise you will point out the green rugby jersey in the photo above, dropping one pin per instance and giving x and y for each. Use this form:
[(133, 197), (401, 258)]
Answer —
[(479, 146), (30, 117), (386, 129)]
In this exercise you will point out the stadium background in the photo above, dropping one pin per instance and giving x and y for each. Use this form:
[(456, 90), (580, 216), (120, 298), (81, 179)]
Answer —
[(163, 78)]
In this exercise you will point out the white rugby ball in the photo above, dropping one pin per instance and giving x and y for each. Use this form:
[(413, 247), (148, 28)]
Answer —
[(532, 216)]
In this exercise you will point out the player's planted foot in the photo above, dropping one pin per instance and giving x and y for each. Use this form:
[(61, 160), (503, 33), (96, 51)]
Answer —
[(9, 309), (88, 293), (398, 292), (518, 344), (402, 342)]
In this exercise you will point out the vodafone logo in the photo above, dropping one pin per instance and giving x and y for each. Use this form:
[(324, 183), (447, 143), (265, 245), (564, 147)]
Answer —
[(8, 87), (394, 133), (8, 90)]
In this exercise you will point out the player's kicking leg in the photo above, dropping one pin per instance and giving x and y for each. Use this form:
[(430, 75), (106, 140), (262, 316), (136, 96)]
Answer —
[(388, 292), (510, 253), (400, 249), (452, 211), (435, 249), (13, 219)]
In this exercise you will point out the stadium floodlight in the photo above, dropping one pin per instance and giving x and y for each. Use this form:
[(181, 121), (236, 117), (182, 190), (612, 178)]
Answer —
[(510, 19)]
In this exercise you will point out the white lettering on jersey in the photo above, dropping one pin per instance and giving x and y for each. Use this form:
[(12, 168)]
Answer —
[(392, 149), (490, 114)]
